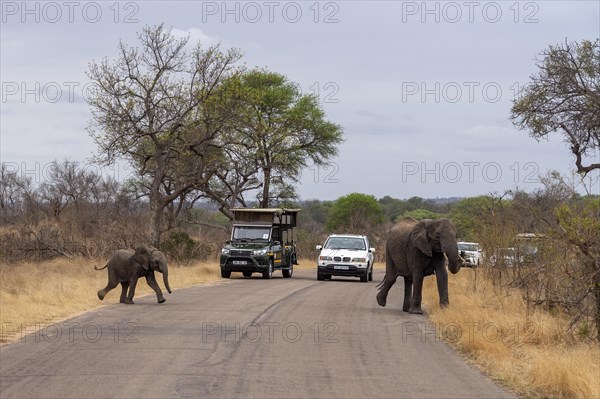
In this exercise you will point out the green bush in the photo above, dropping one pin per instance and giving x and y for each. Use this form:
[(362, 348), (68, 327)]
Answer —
[(356, 213), (180, 247)]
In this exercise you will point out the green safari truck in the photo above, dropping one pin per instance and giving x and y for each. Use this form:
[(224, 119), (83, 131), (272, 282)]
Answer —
[(262, 240)]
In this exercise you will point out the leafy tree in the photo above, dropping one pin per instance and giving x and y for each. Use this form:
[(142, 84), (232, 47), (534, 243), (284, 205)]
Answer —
[(394, 207), (469, 213), (424, 208), (580, 228), (565, 96), (316, 210), (280, 131), (356, 213), (161, 108), (421, 214)]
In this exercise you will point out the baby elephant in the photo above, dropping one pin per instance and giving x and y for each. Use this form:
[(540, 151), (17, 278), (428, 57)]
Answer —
[(126, 265)]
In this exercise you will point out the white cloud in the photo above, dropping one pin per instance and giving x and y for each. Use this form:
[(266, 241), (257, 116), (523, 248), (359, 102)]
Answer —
[(197, 35)]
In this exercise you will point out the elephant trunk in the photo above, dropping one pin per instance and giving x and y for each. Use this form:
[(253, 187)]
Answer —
[(450, 248), (165, 273)]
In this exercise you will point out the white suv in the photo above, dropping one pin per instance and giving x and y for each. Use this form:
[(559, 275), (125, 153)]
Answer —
[(345, 255), (471, 252)]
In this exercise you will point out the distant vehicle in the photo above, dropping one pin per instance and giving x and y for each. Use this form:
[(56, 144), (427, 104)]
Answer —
[(471, 253), (528, 246), (262, 240), (525, 251), (345, 255), (508, 257)]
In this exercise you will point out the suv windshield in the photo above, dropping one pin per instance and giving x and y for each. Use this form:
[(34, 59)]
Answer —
[(251, 233), (468, 247), (355, 243)]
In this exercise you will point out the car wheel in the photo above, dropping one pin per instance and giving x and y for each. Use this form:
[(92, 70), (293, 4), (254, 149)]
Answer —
[(365, 278), (371, 275), (269, 272), (287, 273), (247, 274), (225, 274), (320, 277)]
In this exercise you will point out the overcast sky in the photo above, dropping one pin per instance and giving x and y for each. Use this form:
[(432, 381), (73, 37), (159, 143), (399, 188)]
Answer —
[(423, 90)]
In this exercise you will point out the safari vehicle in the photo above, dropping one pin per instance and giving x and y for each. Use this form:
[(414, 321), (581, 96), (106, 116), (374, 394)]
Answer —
[(262, 240), (526, 251), (345, 255)]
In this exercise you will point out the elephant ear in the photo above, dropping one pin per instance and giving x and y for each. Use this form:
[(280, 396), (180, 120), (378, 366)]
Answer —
[(419, 239), (142, 256)]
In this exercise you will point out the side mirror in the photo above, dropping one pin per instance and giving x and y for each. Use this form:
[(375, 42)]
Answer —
[(319, 247), (372, 250), (463, 254)]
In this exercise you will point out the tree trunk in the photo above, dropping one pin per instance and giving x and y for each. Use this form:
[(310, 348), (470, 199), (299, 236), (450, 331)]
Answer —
[(155, 222), (596, 291), (266, 187), (156, 202)]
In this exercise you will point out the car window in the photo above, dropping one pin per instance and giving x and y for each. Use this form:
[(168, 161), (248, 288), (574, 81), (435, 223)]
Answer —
[(355, 243), (468, 247), (251, 233)]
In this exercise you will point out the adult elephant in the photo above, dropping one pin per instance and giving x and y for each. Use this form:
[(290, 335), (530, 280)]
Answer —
[(416, 249), (126, 265)]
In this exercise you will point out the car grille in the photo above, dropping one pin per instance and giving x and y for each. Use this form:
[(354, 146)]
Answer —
[(340, 259), (350, 269), (242, 252)]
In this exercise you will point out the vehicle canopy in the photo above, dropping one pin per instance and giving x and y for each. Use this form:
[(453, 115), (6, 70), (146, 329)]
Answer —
[(282, 220)]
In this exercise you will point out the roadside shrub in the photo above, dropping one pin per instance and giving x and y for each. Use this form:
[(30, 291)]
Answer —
[(180, 247)]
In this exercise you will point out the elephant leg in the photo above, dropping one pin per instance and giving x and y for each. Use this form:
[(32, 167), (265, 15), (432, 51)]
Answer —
[(388, 281), (415, 306), (441, 276), (124, 287), (132, 284), (408, 283), (102, 293), (151, 280)]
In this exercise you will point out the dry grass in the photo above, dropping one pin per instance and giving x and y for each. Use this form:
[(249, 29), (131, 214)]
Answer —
[(531, 353), (38, 294)]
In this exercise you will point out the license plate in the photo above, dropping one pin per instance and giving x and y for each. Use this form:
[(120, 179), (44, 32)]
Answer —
[(239, 262), (341, 267)]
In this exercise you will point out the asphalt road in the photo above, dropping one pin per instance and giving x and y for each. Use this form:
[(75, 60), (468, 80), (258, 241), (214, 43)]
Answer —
[(283, 338)]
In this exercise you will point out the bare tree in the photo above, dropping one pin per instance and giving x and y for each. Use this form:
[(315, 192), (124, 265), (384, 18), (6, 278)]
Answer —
[(12, 190), (159, 108), (565, 96)]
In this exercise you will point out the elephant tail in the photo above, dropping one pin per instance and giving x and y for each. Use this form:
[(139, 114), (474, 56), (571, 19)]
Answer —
[(382, 282), (101, 267)]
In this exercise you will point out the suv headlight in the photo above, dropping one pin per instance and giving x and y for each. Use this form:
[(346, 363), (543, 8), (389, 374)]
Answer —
[(327, 258), (260, 252), (225, 251), (361, 260)]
